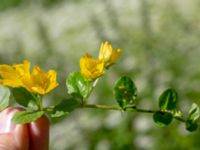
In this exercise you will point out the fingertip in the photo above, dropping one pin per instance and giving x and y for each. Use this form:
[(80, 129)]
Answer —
[(39, 134)]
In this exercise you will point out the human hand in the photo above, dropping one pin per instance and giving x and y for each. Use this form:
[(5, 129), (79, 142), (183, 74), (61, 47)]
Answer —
[(32, 136)]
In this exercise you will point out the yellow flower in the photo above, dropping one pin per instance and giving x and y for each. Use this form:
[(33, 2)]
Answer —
[(107, 54), (91, 68), (11, 75), (19, 75), (39, 81)]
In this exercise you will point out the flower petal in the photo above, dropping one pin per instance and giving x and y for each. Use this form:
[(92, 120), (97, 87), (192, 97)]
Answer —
[(115, 56), (105, 52), (52, 80), (9, 76)]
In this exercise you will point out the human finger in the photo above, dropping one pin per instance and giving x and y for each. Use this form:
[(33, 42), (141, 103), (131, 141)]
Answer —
[(39, 134)]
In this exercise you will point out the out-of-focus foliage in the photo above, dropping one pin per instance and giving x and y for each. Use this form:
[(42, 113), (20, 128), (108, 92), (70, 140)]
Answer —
[(4, 98), (160, 43)]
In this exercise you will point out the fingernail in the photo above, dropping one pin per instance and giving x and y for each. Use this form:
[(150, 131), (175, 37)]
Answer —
[(6, 125)]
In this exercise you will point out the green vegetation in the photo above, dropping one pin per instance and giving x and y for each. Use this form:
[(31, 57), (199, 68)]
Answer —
[(160, 43)]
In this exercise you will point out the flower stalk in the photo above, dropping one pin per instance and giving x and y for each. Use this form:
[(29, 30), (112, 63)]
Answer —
[(40, 102)]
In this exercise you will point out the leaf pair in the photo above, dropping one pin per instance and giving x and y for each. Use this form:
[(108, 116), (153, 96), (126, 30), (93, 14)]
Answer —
[(55, 114), (167, 104), (29, 100)]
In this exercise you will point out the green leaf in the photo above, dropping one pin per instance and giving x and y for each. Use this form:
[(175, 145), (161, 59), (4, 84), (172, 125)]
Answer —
[(162, 118), (24, 97), (77, 85), (64, 107), (4, 97), (125, 92), (26, 116), (58, 114), (191, 125), (67, 105), (168, 100), (194, 114)]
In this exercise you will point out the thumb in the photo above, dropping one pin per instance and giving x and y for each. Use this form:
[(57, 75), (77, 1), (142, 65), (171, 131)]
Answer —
[(12, 137)]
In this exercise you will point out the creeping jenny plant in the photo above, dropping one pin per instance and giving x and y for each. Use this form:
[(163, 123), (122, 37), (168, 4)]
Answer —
[(29, 86)]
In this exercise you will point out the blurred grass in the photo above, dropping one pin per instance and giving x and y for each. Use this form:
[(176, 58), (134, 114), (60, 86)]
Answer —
[(160, 43)]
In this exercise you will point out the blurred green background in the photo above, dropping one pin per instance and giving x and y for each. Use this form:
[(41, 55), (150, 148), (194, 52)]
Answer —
[(161, 49)]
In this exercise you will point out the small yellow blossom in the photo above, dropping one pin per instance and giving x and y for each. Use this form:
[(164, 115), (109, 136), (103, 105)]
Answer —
[(39, 81), (91, 68), (19, 75), (107, 54)]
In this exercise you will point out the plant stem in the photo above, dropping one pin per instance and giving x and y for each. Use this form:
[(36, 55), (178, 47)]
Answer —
[(106, 107), (180, 119), (40, 103), (145, 111), (117, 108)]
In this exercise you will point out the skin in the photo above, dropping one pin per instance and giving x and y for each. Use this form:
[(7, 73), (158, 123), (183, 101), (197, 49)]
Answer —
[(33, 136)]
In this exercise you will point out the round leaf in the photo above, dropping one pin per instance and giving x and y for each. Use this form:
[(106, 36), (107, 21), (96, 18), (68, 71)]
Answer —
[(191, 125), (162, 118), (168, 100), (125, 91)]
